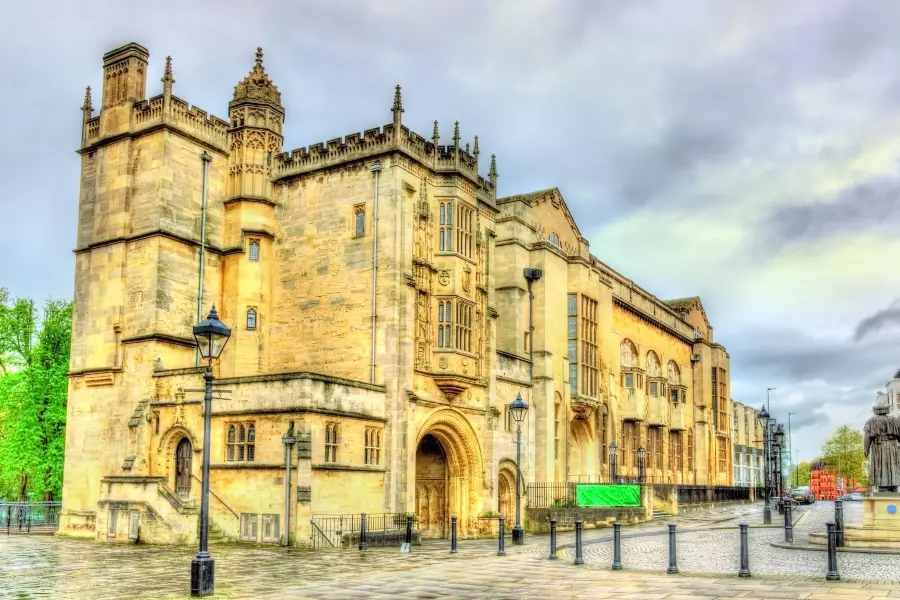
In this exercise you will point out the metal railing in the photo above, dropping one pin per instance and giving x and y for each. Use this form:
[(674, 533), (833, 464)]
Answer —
[(343, 531), (29, 517), (702, 494)]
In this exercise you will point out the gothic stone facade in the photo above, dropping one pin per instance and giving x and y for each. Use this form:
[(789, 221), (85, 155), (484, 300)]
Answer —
[(374, 285)]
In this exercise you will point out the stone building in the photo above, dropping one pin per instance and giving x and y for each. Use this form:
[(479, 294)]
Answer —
[(748, 447), (891, 395), (376, 289)]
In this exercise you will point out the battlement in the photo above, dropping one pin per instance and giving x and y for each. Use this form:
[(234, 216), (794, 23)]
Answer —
[(372, 142)]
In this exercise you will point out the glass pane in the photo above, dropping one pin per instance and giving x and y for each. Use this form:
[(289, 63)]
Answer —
[(573, 379), (573, 353), (573, 307), (573, 328), (231, 434), (629, 380), (443, 212), (242, 434), (251, 434), (251, 453)]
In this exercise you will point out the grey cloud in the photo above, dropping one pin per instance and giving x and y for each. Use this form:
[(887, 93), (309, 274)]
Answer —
[(869, 204), (877, 321)]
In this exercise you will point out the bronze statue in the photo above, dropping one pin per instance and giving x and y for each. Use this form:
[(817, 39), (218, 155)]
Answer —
[(882, 448)]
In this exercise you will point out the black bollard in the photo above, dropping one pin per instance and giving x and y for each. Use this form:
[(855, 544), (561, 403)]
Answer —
[(673, 559), (579, 558), (453, 548), (553, 555), (617, 546), (832, 574), (839, 523), (788, 524), (745, 552), (362, 532), (501, 551), (781, 506), (409, 522)]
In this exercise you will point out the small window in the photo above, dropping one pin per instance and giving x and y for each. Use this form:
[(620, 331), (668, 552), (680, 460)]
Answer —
[(251, 318), (113, 522), (254, 249), (240, 442), (331, 442), (268, 159), (654, 389), (249, 527), (373, 446), (629, 380), (673, 394), (554, 240), (359, 215)]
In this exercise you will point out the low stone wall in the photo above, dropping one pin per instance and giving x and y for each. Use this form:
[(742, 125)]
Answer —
[(537, 520)]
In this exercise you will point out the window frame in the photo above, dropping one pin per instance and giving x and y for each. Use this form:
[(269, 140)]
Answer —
[(240, 441), (445, 225), (372, 454), (465, 228), (359, 221), (252, 318), (332, 442), (253, 250)]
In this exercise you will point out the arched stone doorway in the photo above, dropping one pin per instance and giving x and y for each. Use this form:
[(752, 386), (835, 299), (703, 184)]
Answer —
[(449, 474), (431, 488), (506, 501), (582, 451), (183, 465)]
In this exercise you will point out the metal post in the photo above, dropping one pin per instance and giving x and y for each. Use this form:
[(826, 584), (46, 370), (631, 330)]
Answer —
[(363, 545), (767, 462), (788, 524), (203, 566), (617, 546), (745, 552), (501, 548), (518, 533), (453, 548), (832, 574), (579, 558), (553, 555), (409, 521), (839, 522), (673, 559)]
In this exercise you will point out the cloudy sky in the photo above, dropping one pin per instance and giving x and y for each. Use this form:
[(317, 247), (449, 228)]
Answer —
[(743, 151)]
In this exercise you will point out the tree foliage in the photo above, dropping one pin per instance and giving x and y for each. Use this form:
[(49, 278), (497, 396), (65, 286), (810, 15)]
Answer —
[(34, 360), (843, 453), (800, 474)]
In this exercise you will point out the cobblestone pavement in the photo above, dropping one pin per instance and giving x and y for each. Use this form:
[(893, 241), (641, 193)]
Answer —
[(57, 568)]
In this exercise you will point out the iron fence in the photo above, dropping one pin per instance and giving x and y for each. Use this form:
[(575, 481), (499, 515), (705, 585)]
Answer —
[(343, 531), (551, 495), (702, 494), (29, 517)]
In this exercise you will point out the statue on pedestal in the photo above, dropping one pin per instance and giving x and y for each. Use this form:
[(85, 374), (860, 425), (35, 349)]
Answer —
[(882, 448)]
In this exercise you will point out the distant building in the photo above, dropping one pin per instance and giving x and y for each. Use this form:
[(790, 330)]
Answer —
[(891, 392), (748, 446)]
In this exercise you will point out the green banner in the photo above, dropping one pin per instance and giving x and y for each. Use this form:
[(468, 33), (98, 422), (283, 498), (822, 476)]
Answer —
[(607, 495)]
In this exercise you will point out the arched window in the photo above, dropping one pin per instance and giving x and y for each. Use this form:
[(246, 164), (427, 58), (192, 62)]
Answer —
[(254, 249), (251, 318), (230, 443), (242, 438), (359, 216), (331, 442), (251, 443), (554, 240)]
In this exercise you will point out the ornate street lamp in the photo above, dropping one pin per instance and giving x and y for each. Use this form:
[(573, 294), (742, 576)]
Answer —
[(642, 464), (764, 421), (211, 335), (613, 456), (779, 444), (519, 409)]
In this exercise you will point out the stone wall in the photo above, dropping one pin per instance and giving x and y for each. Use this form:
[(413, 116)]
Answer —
[(537, 520)]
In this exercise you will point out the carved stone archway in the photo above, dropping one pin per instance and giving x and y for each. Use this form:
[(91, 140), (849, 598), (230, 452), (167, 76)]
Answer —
[(458, 453), (506, 491)]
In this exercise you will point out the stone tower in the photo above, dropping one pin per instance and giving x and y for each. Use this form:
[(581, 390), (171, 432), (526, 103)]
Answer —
[(255, 138)]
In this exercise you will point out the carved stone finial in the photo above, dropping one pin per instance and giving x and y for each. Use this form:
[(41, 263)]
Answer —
[(493, 171), (476, 146), (456, 134), (398, 102), (88, 104), (259, 57), (167, 72), (467, 148), (435, 134), (257, 86)]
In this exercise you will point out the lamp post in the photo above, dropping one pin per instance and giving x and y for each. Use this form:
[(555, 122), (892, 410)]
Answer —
[(790, 448), (613, 457), (518, 409), (779, 444), (211, 335), (797, 469), (764, 421), (288, 440), (642, 464)]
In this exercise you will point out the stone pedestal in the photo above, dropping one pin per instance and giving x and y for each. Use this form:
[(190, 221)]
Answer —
[(880, 527)]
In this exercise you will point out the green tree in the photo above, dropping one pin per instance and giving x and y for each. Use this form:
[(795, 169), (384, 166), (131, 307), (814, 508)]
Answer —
[(800, 474), (843, 453), (34, 360)]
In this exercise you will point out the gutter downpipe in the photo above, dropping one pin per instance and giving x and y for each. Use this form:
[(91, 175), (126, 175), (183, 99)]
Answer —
[(375, 167), (206, 158)]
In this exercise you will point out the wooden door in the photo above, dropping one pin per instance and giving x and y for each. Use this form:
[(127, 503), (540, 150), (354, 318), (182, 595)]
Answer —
[(183, 468)]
